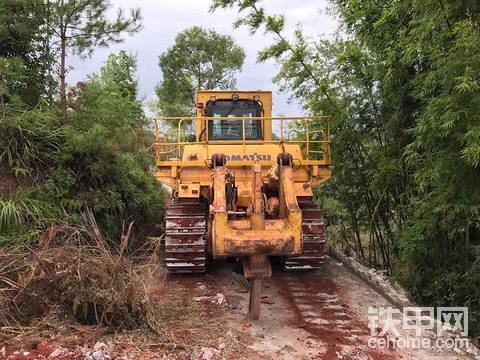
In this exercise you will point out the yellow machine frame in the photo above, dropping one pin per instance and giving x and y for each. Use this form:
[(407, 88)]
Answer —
[(190, 167)]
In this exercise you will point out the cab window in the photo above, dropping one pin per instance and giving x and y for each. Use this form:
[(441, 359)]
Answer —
[(232, 129)]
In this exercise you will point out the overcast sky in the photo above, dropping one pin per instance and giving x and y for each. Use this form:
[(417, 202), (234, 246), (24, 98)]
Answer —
[(163, 19)]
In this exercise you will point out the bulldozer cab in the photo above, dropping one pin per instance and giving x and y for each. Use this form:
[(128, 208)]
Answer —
[(233, 115)]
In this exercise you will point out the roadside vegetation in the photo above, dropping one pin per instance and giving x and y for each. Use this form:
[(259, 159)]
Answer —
[(77, 192), (54, 170), (401, 79)]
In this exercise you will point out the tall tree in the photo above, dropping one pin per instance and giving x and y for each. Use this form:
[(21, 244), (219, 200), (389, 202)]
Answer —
[(80, 26), (23, 37), (199, 59)]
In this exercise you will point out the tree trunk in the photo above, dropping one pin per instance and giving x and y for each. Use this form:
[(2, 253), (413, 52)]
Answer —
[(63, 90), (48, 58)]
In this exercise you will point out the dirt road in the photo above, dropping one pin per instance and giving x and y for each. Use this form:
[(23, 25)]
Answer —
[(306, 315)]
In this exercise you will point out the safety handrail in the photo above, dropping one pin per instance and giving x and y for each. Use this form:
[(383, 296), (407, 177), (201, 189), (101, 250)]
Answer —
[(168, 146)]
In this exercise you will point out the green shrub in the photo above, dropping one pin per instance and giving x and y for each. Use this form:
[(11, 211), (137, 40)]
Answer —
[(106, 162), (98, 160)]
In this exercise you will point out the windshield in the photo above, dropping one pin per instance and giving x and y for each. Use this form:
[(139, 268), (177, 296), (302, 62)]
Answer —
[(232, 129)]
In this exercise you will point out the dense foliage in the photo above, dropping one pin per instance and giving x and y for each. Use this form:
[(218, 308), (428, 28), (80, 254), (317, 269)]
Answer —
[(104, 160), (52, 172), (402, 81), (23, 37)]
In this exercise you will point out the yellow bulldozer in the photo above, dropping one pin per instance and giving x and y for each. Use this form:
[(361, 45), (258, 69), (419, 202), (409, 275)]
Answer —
[(241, 186)]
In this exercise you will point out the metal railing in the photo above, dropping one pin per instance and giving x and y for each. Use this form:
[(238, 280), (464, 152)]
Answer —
[(311, 133)]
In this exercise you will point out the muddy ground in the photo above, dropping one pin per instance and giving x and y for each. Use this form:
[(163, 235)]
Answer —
[(320, 314)]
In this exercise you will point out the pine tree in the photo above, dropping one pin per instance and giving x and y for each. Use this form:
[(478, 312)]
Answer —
[(79, 26)]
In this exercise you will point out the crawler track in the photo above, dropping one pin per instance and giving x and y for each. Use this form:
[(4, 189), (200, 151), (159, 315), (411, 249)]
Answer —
[(313, 227), (185, 242)]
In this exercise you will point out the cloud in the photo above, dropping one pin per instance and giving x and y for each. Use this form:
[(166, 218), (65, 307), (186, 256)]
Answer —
[(164, 19)]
